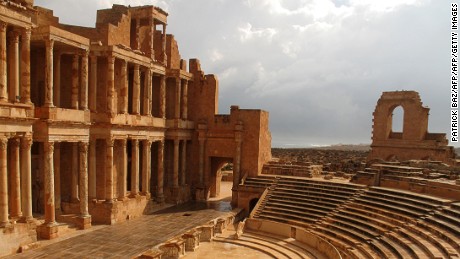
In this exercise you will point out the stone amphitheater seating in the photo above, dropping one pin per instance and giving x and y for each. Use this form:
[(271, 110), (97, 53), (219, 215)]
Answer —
[(366, 222), (273, 246)]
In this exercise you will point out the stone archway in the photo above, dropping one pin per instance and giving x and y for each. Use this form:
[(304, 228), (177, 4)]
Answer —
[(216, 177), (414, 142)]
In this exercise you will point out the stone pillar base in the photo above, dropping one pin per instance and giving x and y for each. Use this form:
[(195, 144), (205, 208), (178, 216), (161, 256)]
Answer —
[(83, 222), (160, 199), (202, 193), (48, 231)]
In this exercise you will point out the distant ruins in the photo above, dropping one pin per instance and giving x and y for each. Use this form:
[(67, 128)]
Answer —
[(104, 123), (414, 142)]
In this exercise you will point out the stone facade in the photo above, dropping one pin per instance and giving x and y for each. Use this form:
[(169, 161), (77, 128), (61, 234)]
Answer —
[(414, 142), (106, 122)]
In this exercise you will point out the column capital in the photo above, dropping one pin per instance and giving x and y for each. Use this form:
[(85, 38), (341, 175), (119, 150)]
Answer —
[(14, 36), (26, 33), (15, 142), (92, 57), (84, 52), (83, 147), (135, 142), (49, 146), (111, 59), (26, 142), (49, 44), (110, 142), (123, 143), (136, 66), (3, 26), (3, 143)]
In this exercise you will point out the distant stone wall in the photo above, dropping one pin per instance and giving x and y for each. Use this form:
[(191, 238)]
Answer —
[(292, 169)]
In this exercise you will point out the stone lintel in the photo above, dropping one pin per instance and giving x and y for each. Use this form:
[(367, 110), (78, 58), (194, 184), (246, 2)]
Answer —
[(58, 35), (14, 18)]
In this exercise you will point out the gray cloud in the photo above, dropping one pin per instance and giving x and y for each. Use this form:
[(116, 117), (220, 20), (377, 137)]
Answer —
[(318, 67)]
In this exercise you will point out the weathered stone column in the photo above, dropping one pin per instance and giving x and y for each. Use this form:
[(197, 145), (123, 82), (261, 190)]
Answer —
[(185, 100), (175, 180), (201, 161), (122, 183), (136, 90), (25, 67), (57, 79), (26, 177), (138, 42), (57, 176), (151, 33), (3, 69), (93, 86), (92, 170), (84, 81), (162, 96), (15, 180), (177, 106), (147, 93), (146, 145), (50, 216), (110, 86), (83, 186), (3, 182), (183, 162), (160, 175), (49, 74), (14, 66), (109, 171), (74, 171), (124, 86), (75, 82), (163, 46), (134, 167)]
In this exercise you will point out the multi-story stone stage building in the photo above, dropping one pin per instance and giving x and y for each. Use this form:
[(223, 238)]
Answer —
[(104, 123)]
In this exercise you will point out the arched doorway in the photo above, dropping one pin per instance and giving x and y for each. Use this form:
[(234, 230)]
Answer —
[(217, 186), (396, 122)]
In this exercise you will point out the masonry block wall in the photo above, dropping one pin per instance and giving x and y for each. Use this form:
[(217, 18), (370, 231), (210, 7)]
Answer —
[(106, 123)]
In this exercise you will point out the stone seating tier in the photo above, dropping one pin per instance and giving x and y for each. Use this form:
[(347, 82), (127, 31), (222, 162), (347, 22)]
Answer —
[(399, 202), (390, 206), (333, 194), (416, 197), (346, 244), (302, 185), (372, 223), (294, 201)]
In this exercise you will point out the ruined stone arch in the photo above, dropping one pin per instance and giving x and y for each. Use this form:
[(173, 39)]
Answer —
[(415, 119), (393, 117), (414, 142)]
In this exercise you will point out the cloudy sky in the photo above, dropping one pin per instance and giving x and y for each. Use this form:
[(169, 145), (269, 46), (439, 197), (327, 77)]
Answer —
[(318, 66)]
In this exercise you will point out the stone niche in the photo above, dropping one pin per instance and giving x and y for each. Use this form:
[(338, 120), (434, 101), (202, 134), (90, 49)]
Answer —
[(414, 142)]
